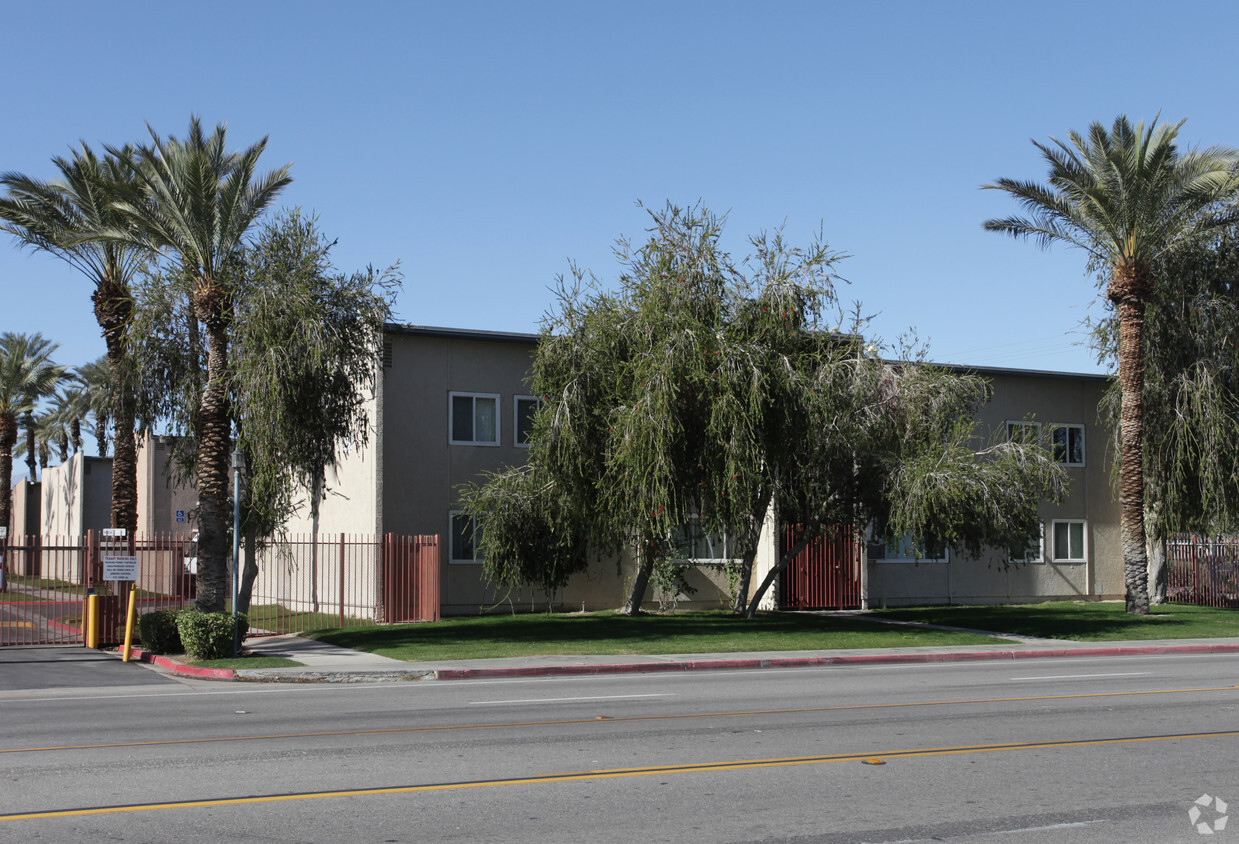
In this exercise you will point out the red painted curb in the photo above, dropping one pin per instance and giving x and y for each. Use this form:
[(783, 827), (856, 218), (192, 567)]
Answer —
[(183, 669), (821, 661)]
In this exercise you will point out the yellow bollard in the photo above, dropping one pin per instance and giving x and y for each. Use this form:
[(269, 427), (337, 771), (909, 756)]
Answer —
[(92, 621), (131, 618)]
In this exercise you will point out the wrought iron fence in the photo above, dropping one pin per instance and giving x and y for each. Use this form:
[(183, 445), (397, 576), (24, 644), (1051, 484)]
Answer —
[(303, 583)]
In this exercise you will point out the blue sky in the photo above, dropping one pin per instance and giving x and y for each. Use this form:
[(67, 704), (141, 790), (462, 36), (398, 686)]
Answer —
[(484, 145)]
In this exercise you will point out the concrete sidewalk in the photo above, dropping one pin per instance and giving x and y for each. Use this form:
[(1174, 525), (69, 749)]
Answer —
[(323, 663)]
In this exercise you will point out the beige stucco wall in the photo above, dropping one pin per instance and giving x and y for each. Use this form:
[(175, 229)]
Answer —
[(25, 501), (350, 502), (165, 506), (76, 496), (1046, 399)]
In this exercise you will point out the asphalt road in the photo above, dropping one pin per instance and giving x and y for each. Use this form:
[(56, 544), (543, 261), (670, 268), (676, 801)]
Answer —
[(1076, 750)]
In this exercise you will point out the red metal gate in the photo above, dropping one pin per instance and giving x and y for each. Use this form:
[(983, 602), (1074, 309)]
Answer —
[(824, 576), (1203, 570), (41, 599), (410, 578), (47, 578)]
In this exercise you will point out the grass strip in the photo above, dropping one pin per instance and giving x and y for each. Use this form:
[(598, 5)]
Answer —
[(1082, 621), (704, 631)]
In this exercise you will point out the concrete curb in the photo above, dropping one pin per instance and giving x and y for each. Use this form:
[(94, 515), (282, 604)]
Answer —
[(821, 661), (277, 675), (181, 668), (299, 675)]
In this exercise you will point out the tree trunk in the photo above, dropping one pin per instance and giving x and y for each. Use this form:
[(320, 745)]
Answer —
[(8, 439), (113, 309), (101, 434), (249, 573), (784, 558), (1126, 286), (645, 568), (214, 444), (31, 453), (740, 603), (750, 543)]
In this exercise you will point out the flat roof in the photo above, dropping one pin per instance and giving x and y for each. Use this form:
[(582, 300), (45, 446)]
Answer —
[(519, 337), (460, 333)]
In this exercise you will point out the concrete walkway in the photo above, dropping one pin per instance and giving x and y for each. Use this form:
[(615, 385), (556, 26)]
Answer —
[(323, 663)]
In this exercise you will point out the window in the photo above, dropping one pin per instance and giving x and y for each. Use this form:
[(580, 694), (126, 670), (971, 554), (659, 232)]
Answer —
[(465, 537), (522, 425), (905, 549), (474, 419), (1034, 551), (692, 543), (1069, 541), (1067, 442), (1024, 432)]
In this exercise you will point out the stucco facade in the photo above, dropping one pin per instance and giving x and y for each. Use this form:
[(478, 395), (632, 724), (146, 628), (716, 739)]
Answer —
[(1047, 401), (165, 506), (406, 481), (76, 496)]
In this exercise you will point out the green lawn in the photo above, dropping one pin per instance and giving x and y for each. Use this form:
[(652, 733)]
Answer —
[(1081, 620), (280, 619), (32, 582), (248, 662), (478, 637)]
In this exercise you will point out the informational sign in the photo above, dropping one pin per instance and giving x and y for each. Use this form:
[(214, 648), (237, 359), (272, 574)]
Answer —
[(180, 515), (114, 532), (4, 533), (120, 567)]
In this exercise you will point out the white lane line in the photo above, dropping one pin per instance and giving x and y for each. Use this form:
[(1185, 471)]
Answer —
[(565, 699), (1083, 676)]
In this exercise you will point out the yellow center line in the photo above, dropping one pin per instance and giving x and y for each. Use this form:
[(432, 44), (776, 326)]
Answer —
[(607, 720), (616, 773)]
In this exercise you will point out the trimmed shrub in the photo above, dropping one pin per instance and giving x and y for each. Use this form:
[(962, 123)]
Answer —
[(208, 635), (158, 633)]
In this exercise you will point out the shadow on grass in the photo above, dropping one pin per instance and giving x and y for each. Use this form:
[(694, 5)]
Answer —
[(1080, 621), (610, 633)]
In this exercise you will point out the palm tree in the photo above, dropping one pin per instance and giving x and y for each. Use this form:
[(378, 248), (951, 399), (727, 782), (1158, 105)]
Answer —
[(26, 373), (199, 201), (96, 378), (1126, 196), (65, 218), (70, 408)]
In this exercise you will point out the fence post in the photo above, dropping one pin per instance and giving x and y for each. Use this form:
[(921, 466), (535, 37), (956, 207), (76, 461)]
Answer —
[(342, 580)]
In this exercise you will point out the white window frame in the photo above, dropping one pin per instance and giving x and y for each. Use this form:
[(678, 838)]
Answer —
[(476, 559), (516, 417), (1055, 427), (698, 561), (1040, 552), (1083, 541), (1018, 424), (451, 418), (904, 553)]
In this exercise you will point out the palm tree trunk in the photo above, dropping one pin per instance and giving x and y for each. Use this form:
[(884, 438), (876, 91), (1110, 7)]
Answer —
[(8, 439), (215, 437), (1125, 287), (31, 453), (113, 308)]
